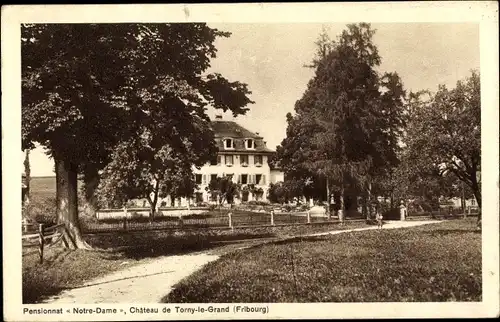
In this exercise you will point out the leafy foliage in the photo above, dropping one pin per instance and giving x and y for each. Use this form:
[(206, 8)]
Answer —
[(346, 125), (91, 89), (444, 134), (281, 192), (224, 188)]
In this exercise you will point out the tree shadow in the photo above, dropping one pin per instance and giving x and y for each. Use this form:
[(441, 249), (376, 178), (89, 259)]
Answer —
[(32, 293), (445, 232), (150, 246)]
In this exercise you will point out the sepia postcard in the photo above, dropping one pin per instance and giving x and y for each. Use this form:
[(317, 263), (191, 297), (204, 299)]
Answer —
[(250, 161)]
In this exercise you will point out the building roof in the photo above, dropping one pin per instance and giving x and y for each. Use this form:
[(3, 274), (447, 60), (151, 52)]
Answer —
[(230, 129)]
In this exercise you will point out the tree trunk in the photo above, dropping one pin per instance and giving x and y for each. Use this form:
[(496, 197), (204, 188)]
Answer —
[(477, 194), (462, 199), (369, 200), (364, 209), (91, 181), (328, 199), (27, 172), (341, 202), (67, 204), (154, 201)]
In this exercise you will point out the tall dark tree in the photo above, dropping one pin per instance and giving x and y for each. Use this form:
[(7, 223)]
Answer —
[(88, 87), (347, 119)]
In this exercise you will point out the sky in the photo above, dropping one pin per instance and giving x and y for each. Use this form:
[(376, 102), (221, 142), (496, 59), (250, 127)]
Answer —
[(270, 58)]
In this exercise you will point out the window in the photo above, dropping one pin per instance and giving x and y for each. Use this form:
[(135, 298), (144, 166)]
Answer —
[(213, 177), (214, 161), (244, 178), (260, 179), (258, 160), (229, 160), (228, 144), (198, 178), (219, 160), (244, 160), (250, 144), (229, 175)]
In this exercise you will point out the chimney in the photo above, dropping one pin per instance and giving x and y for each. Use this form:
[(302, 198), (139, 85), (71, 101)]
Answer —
[(218, 117)]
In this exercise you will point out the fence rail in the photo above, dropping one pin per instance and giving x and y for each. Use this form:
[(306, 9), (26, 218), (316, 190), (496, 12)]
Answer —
[(212, 220), (44, 237)]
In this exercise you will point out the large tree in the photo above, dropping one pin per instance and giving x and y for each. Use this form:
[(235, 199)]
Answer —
[(348, 118), (89, 87), (444, 132)]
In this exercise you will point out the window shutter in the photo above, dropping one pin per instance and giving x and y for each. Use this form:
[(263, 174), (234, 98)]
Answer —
[(204, 180), (239, 178), (263, 179)]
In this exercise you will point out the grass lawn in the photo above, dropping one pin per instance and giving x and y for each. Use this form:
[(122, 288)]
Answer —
[(69, 269), (65, 269), (438, 262)]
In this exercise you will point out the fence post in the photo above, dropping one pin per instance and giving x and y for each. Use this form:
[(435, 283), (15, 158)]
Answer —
[(272, 217), (125, 212), (42, 241), (308, 217), (230, 217)]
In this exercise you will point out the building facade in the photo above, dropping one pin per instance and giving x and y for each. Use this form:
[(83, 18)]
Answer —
[(244, 156)]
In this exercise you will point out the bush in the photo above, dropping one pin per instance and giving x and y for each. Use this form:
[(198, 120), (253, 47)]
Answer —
[(41, 210), (258, 203), (303, 207), (392, 214)]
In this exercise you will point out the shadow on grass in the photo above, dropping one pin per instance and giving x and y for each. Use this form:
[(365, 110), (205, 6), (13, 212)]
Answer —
[(118, 280), (445, 232), (137, 247), (32, 294)]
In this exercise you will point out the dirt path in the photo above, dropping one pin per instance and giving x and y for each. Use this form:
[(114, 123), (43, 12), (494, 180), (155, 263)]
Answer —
[(148, 283)]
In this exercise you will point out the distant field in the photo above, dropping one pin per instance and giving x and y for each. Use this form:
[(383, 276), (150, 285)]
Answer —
[(44, 187), (43, 198)]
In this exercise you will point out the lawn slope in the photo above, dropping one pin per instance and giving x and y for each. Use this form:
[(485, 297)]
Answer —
[(440, 262)]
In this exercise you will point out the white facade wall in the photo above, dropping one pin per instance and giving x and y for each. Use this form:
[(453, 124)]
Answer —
[(237, 170), (277, 176), (457, 202)]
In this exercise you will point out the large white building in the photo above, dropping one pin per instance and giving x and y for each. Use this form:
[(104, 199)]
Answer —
[(243, 155)]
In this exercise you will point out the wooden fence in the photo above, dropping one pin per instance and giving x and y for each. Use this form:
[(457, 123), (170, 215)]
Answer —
[(44, 237), (216, 220)]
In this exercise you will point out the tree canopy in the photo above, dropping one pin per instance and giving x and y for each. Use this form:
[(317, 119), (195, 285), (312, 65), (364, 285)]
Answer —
[(87, 89), (444, 132), (346, 125)]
